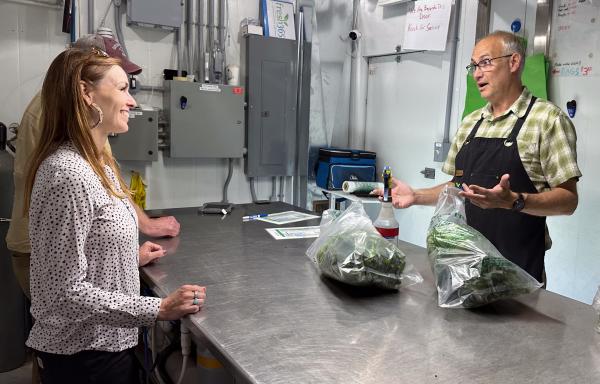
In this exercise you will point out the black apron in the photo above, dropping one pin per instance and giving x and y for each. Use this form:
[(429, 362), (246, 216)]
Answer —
[(518, 236)]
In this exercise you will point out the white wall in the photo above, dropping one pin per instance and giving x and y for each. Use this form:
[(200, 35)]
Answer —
[(30, 38), (407, 102)]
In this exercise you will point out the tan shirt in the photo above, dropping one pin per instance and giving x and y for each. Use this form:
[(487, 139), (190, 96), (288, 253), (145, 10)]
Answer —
[(17, 238)]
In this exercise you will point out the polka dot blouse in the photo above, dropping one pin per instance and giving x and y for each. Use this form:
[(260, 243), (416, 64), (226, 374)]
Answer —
[(85, 286)]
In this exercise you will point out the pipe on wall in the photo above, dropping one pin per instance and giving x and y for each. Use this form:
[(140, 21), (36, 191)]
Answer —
[(191, 33), (454, 49), (281, 196), (543, 26), (483, 19), (273, 189), (299, 196), (118, 28), (179, 42), (90, 9), (357, 122), (220, 51), (200, 52), (210, 32)]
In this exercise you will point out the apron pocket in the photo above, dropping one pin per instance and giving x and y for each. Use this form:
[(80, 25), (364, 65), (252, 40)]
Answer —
[(484, 180)]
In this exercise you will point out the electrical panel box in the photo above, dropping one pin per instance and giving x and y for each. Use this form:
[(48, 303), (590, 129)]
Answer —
[(167, 14), (140, 142), (205, 120), (269, 71)]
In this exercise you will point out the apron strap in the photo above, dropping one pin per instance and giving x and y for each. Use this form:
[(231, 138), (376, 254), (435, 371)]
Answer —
[(474, 131), (512, 137)]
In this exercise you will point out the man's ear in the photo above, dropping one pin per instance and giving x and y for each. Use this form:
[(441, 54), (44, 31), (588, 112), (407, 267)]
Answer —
[(86, 92), (515, 62)]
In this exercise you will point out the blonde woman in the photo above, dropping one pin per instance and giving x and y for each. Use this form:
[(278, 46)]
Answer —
[(84, 231)]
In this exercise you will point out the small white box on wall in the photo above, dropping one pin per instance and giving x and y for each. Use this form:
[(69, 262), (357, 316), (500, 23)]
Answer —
[(278, 18), (252, 30)]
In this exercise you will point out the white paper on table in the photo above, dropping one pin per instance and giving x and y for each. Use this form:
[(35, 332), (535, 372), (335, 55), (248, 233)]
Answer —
[(294, 232), (287, 217), (427, 25)]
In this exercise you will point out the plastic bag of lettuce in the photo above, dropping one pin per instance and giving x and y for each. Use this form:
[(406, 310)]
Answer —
[(468, 270), (350, 249)]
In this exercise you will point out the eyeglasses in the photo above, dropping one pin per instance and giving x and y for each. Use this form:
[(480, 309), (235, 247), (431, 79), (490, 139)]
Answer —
[(99, 52), (485, 64)]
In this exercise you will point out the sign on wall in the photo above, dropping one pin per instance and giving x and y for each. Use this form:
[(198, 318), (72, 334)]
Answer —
[(427, 25), (278, 18)]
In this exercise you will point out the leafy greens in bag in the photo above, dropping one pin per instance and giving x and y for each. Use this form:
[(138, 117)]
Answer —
[(469, 271), (361, 258), (350, 249)]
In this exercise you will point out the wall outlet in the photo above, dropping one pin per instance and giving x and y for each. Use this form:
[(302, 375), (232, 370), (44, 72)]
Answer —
[(440, 151), (429, 173)]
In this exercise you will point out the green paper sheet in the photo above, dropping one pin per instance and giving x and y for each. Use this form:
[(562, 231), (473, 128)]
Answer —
[(534, 78)]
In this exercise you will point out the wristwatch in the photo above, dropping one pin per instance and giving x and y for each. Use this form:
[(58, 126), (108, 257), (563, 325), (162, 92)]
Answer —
[(518, 204)]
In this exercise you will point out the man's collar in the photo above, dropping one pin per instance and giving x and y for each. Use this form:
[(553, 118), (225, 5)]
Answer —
[(519, 107)]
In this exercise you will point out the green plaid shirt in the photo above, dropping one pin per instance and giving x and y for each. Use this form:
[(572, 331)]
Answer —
[(547, 140)]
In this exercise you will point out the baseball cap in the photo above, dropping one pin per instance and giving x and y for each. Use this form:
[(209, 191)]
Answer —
[(112, 48)]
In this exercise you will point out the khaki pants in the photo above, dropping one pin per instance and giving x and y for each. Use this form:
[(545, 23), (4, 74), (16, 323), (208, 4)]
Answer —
[(20, 262)]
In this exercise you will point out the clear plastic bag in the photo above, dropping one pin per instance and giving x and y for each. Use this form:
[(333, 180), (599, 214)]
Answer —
[(350, 249), (596, 306), (469, 271)]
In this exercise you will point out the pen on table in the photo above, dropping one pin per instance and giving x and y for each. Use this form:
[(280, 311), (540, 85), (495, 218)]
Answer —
[(254, 217)]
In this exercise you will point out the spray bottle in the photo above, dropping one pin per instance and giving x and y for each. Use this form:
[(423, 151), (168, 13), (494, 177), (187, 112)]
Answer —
[(386, 222)]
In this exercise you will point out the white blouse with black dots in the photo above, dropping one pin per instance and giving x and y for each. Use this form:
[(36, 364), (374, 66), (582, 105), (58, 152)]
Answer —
[(85, 286)]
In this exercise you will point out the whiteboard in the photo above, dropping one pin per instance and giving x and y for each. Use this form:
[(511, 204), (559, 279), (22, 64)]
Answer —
[(572, 263), (575, 39)]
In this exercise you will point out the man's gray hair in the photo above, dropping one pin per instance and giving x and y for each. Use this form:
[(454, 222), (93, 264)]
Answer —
[(512, 44)]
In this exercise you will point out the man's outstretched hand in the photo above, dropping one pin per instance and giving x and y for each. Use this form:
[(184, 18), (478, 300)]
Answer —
[(403, 196), (500, 196)]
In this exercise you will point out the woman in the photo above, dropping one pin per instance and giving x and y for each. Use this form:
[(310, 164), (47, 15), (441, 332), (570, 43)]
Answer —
[(83, 230)]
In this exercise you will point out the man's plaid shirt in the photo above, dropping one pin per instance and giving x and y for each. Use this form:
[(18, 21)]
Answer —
[(547, 140)]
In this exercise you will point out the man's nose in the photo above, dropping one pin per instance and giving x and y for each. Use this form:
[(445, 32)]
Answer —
[(477, 73)]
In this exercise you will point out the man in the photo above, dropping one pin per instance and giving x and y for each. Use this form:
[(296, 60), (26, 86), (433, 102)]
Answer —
[(515, 158), (28, 136)]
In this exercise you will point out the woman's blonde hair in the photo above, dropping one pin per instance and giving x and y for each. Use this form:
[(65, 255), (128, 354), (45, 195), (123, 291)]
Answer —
[(66, 117)]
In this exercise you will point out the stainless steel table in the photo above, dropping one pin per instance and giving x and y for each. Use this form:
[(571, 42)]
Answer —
[(271, 318)]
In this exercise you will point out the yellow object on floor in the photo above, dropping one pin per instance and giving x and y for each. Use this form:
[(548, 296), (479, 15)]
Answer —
[(138, 188)]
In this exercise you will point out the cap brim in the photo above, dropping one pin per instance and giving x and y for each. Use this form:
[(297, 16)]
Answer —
[(131, 68)]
